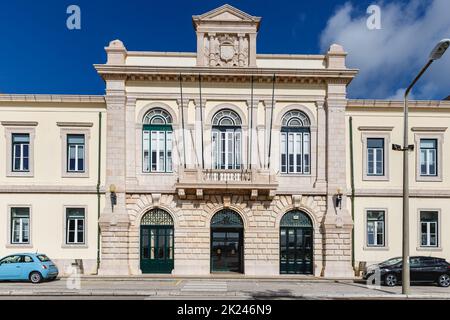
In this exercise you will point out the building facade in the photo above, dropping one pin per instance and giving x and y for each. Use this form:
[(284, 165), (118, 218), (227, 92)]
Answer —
[(222, 160)]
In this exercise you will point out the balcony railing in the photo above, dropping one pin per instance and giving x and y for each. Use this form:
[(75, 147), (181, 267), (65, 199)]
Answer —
[(210, 179), (227, 175)]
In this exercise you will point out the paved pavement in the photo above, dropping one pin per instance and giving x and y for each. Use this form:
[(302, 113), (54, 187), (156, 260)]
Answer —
[(207, 288)]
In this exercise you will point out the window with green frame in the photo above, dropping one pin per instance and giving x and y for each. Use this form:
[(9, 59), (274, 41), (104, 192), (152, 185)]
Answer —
[(157, 142)]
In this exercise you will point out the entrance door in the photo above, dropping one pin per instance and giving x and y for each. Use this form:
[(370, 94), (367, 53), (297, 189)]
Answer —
[(296, 244), (157, 243), (227, 242), (226, 250)]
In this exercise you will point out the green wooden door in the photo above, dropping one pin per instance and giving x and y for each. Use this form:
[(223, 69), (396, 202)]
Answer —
[(157, 242), (296, 244), (157, 249)]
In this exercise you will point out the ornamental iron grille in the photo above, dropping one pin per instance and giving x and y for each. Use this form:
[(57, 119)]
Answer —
[(227, 219), (157, 116), (157, 217), (296, 218)]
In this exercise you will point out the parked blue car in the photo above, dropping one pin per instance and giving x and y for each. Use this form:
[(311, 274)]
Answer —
[(34, 267)]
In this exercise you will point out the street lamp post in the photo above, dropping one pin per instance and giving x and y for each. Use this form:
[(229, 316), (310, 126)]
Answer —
[(436, 54)]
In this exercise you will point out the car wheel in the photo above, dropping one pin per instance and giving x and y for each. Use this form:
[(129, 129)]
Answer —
[(35, 277), (444, 281), (390, 280)]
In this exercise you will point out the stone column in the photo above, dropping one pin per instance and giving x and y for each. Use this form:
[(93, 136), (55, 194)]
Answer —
[(183, 135), (267, 120), (131, 142), (252, 148), (252, 50), (338, 224), (321, 145), (199, 130), (114, 221), (201, 61)]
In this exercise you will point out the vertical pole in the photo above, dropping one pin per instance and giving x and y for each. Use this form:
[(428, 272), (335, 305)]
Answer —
[(405, 273), (182, 121), (250, 144), (271, 121), (201, 119)]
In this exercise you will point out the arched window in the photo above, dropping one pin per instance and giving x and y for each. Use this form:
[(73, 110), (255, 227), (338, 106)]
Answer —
[(226, 140), (295, 143), (157, 141)]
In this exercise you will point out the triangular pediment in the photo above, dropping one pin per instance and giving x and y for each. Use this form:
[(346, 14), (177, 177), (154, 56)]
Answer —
[(226, 13)]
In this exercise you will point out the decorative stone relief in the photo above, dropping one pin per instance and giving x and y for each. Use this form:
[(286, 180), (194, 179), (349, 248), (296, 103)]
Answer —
[(226, 50)]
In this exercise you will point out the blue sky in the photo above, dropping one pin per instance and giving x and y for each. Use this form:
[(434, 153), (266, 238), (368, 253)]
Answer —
[(40, 55)]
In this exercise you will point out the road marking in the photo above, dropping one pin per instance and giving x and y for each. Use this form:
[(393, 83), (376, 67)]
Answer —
[(205, 286)]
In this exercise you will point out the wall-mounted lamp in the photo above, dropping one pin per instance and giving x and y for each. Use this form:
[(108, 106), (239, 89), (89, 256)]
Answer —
[(112, 190), (339, 199)]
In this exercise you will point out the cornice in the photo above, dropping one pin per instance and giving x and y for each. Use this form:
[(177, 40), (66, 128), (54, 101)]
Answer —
[(19, 123), (395, 104), (51, 98), (191, 74)]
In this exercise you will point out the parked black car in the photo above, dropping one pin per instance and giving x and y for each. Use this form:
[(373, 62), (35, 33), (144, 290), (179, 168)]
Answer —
[(422, 270)]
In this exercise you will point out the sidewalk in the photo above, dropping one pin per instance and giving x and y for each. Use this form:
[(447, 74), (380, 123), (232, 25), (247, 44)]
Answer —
[(213, 288)]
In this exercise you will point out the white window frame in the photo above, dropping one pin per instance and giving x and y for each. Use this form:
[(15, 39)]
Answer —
[(164, 166), (19, 128), (226, 149), (429, 134), (67, 227), (10, 229), (375, 152), (375, 133), (78, 147), (426, 158), (428, 232), (21, 156), (65, 132), (376, 223), (300, 142)]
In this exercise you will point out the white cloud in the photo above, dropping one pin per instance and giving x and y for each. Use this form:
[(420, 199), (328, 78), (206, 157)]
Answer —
[(389, 58)]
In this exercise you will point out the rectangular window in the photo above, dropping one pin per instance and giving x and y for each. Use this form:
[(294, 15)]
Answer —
[(20, 225), (428, 157), (375, 156), (75, 226), (375, 228), (20, 152), (295, 152), (157, 151), (429, 228), (75, 153), (227, 149)]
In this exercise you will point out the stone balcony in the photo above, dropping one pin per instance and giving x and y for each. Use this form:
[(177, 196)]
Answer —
[(255, 181)]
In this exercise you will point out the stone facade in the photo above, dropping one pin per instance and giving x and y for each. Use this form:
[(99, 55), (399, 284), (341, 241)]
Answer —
[(261, 222), (331, 191)]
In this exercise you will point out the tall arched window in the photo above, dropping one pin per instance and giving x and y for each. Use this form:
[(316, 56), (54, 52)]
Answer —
[(227, 140), (157, 141), (295, 143)]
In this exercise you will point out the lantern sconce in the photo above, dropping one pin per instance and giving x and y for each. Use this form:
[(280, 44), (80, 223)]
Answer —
[(339, 199), (112, 190)]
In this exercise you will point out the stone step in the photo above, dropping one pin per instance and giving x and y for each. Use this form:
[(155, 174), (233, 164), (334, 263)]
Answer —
[(204, 286)]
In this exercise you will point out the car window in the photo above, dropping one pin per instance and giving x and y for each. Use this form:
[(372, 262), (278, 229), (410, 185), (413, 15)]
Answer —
[(11, 259), (27, 259), (415, 262), (43, 258)]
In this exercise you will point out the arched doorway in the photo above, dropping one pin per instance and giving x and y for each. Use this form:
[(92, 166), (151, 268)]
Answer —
[(296, 243), (157, 242), (227, 242)]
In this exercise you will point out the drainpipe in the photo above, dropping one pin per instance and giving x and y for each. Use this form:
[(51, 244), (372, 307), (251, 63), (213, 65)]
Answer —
[(352, 181), (98, 185)]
